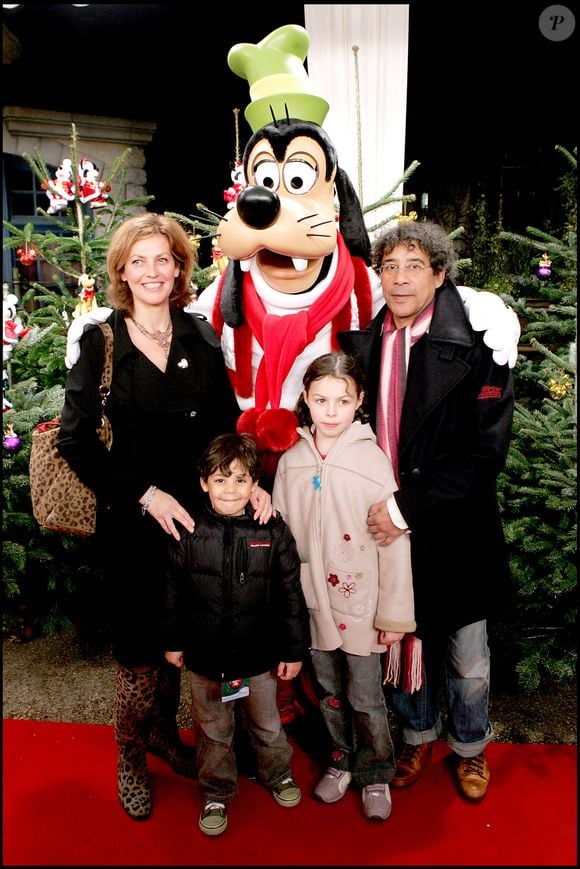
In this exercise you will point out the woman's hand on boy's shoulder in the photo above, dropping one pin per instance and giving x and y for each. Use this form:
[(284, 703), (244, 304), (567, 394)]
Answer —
[(261, 501)]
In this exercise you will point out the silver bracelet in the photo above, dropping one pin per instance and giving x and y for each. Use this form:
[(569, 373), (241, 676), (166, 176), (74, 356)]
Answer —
[(149, 497)]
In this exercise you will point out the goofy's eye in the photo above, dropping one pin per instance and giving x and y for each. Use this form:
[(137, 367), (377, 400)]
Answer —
[(267, 174), (299, 177)]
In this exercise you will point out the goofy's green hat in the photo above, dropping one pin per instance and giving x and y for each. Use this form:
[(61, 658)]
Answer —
[(279, 85)]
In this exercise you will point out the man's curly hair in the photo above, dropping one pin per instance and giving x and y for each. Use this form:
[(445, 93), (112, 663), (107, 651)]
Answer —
[(430, 237)]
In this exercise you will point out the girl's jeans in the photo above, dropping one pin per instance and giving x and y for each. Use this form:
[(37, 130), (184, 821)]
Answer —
[(354, 710), (213, 723), (462, 659)]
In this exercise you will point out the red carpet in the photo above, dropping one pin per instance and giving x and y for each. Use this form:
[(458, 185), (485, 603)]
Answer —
[(61, 809)]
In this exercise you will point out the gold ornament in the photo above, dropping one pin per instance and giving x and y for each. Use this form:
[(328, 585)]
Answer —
[(412, 215), (560, 387)]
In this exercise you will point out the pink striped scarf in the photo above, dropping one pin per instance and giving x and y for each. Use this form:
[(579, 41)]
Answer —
[(395, 351), (403, 660)]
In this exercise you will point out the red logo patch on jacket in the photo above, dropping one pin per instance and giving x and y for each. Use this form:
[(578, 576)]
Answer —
[(259, 544), (489, 392)]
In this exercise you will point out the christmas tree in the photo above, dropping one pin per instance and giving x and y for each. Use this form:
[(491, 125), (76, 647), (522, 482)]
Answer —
[(48, 577), (538, 487)]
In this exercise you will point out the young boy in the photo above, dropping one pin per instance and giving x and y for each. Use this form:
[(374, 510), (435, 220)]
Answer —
[(235, 616)]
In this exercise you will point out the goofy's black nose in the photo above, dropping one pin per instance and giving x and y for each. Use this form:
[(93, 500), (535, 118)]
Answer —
[(258, 207)]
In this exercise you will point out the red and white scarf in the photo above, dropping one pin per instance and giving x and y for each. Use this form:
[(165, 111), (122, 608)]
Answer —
[(284, 338)]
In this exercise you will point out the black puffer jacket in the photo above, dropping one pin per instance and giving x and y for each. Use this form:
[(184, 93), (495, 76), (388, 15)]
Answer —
[(233, 602)]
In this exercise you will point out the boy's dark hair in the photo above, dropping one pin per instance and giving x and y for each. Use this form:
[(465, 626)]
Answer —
[(337, 364), (225, 449)]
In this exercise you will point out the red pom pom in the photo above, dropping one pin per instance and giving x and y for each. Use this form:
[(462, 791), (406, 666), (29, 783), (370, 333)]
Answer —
[(246, 424), (276, 429)]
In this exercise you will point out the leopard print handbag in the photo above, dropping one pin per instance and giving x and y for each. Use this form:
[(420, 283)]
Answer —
[(60, 502)]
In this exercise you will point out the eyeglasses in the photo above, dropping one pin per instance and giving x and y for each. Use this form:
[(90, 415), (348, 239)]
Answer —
[(392, 268)]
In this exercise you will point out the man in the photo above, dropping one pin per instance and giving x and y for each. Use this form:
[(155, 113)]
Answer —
[(442, 410)]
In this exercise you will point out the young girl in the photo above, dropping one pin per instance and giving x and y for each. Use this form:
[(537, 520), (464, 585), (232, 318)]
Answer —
[(359, 595)]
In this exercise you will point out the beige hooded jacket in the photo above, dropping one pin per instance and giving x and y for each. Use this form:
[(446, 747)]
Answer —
[(353, 588)]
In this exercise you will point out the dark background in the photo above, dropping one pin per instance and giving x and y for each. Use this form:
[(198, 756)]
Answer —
[(488, 95)]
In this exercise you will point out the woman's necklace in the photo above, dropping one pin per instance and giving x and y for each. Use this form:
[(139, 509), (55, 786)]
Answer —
[(163, 338)]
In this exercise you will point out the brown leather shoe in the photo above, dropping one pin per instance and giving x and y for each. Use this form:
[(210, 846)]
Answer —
[(410, 764), (473, 776)]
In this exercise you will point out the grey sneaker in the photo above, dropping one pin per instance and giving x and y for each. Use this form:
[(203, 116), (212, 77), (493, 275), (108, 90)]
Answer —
[(287, 793), (213, 819), (376, 800), (333, 785)]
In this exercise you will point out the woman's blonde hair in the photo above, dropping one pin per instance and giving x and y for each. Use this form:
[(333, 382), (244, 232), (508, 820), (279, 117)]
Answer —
[(142, 226)]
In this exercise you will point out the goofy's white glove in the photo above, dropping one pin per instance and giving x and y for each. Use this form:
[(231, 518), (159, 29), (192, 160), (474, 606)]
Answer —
[(488, 313), (76, 329)]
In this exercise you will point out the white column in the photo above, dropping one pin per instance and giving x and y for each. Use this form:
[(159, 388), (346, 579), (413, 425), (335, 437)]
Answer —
[(370, 137)]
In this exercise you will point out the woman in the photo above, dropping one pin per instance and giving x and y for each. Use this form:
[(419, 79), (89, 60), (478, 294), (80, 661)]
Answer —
[(170, 395)]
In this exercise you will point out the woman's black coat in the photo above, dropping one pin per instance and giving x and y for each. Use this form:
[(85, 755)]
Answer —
[(161, 421)]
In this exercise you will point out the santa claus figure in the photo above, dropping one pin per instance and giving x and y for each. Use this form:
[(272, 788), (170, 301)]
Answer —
[(13, 330), (91, 190), (60, 190), (236, 187)]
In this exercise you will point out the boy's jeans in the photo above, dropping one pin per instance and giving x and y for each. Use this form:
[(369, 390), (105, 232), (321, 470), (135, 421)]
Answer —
[(214, 724), (463, 660)]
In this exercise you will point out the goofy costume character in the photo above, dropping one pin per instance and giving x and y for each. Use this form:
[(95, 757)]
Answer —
[(294, 279), (299, 268)]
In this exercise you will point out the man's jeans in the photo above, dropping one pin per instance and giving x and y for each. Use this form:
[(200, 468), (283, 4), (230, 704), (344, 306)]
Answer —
[(462, 660), (354, 710), (214, 724)]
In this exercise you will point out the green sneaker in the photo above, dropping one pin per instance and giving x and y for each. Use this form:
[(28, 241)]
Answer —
[(287, 793), (213, 820)]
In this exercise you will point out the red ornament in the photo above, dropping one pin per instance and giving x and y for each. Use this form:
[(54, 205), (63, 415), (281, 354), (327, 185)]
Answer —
[(26, 255)]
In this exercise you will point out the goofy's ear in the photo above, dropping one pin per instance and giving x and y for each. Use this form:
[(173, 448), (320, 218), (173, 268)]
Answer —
[(352, 224), (231, 295)]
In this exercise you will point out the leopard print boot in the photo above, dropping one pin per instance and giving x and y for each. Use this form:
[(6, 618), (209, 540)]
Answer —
[(134, 699), (163, 739)]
